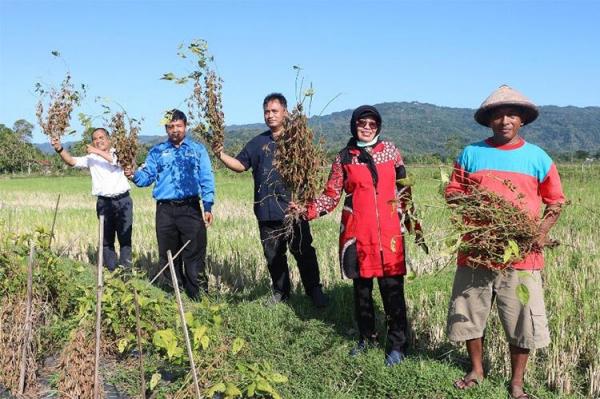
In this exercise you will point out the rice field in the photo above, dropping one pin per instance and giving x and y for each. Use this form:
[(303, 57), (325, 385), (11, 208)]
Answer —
[(570, 365)]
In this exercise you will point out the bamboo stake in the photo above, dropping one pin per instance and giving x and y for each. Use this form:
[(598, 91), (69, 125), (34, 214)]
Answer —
[(183, 323), (27, 332), (53, 222), (167, 265), (99, 287), (139, 342)]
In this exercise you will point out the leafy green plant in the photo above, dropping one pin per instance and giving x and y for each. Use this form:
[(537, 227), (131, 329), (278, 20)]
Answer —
[(258, 379)]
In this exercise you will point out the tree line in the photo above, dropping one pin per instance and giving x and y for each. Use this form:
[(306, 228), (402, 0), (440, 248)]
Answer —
[(19, 156)]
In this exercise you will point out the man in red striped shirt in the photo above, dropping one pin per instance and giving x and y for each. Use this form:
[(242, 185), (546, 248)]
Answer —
[(534, 183)]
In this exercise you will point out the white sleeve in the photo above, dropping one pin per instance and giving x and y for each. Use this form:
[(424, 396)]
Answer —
[(81, 162), (115, 161)]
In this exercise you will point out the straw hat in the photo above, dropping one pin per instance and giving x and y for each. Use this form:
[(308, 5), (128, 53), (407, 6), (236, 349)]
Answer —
[(506, 96)]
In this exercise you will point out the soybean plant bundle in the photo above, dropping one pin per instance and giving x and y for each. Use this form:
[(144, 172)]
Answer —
[(205, 104), (125, 142), (299, 159), (60, 105), (496, 232), (76, 379), (206, 107), (12, 336)]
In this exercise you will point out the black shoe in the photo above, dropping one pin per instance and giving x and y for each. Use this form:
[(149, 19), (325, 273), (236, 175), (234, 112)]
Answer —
[(363, 345), (393, 358), (277, 297), (319, 299)]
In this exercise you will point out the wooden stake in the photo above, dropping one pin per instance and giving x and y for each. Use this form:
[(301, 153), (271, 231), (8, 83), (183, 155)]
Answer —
[(53, 223), (99, 288), (183, 323), (27, 332), (167, 265), (139, 342)]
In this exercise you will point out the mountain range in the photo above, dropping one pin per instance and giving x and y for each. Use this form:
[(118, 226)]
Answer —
[(421, 128)]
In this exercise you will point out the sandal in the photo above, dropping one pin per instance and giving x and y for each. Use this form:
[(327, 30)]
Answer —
[(523, 395), (467, 383)]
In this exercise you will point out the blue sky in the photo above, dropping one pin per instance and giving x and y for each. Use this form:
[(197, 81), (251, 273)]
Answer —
[(451, 53)]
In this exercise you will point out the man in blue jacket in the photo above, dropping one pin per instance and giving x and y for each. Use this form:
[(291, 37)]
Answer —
[(182, 175)]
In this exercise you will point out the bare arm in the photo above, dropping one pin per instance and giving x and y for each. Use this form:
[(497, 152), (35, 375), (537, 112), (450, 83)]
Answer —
[(551, 215), (104, 154), (62, 152), (228, 160)]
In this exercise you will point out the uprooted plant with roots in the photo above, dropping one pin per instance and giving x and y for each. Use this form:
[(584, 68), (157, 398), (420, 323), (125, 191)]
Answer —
[(125, 138), (299, 159), (205, 104), (12, 338), (58, 104), (77, 365), (495, 231)]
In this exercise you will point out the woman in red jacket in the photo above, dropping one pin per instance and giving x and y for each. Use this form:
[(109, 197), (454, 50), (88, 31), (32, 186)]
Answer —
[(371, 242)]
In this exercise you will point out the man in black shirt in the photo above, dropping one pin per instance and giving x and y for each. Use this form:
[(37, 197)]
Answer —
[(271, 198)]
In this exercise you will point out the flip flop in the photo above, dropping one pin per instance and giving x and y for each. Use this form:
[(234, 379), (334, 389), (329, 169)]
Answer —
[(524, 395), (467, 383)]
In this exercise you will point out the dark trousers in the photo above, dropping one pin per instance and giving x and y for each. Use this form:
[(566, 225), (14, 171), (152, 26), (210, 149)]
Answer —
[(176, 223), (118, 219), (394, 304), (275, 245)]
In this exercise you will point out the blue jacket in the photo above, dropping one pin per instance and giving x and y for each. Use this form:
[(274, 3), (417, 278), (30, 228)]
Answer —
[(178, 173)]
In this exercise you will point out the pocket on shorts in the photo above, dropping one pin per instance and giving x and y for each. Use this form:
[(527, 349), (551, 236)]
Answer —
[(539, 321)]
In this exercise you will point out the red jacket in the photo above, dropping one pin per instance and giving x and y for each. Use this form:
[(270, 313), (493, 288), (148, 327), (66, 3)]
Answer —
[(371, 233)]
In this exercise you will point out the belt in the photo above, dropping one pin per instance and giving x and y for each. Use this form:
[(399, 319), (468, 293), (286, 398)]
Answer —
[(115, 197), (179, 202)]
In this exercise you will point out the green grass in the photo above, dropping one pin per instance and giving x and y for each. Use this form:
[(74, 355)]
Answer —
[(310, 346)]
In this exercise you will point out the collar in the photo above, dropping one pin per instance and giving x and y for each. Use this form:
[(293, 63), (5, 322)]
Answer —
[(374, 149), (185, 141), (362, 144), (506, 147)]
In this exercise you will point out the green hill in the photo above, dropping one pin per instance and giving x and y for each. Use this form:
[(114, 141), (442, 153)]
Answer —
[(420, 128)]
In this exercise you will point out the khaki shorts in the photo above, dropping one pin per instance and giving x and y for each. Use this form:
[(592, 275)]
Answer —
[(473, 294)]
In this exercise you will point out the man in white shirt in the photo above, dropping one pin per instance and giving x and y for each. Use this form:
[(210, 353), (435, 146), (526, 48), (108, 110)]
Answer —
[(111, 187)]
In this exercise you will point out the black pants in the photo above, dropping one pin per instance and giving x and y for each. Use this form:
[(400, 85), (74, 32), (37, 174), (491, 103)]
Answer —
[(118, 219), (394, 304), (176, 223), (275, 245)]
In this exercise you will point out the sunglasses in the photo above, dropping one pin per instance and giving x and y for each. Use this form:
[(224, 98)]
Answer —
[(366, 124)]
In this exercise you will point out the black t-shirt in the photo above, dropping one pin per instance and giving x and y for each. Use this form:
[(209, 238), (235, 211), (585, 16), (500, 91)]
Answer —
[(271, 197)]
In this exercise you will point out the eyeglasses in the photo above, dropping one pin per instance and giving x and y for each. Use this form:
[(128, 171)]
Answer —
[(366, 124)]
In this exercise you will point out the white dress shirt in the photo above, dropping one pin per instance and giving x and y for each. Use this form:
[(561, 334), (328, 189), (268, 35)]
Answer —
[(108, 179)]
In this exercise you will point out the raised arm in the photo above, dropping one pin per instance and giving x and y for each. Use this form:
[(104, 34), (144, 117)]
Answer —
[(227, 160), (104, 154), (62, 152)]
